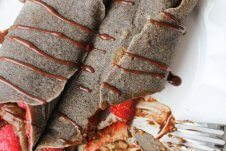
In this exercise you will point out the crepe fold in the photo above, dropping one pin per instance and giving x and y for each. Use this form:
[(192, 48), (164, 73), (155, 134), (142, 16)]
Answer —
[(43, 49), (143, 67), (75, 112)]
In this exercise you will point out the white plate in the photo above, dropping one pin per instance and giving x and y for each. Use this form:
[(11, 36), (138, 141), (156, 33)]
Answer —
[(200, 61)]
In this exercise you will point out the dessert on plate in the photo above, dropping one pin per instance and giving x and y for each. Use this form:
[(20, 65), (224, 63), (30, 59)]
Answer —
[(67, 67)]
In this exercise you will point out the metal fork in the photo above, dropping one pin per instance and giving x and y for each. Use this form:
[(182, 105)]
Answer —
[(188, 135), (197, 136)]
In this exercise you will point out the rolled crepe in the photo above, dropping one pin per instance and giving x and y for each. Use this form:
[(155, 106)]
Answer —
[(143, 68), (44, 48), (78, 105)]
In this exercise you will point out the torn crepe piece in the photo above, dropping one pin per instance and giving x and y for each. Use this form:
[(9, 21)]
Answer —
[(152, 120)]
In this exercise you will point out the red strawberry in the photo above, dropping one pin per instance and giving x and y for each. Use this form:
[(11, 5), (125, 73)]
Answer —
[(125, 110), (8, 140)]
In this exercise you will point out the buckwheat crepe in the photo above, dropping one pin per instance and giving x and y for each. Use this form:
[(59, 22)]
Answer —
[(123, 22), (44, 48), (143, 67)]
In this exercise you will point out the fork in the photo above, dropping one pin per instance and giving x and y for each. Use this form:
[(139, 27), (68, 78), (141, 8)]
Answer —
[(187, 135), (196, 136)]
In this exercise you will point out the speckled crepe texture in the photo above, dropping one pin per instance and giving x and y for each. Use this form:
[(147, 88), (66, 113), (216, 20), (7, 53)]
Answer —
[(86, 12), (122, 22), (148, 142), (153, 42)]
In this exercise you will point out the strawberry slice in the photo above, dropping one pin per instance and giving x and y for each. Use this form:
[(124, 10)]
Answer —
[(124, 110), (8, 140)]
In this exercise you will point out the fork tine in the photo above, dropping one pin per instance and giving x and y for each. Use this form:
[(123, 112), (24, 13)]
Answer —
[(194, 128), (200, 139), (213, 133), (197, 133), (200, 124), (193, 144)]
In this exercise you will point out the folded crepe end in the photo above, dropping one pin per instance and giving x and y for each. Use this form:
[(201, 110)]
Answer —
[(15, 128)]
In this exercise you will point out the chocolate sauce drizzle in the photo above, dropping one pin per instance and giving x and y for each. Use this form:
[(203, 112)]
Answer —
[(139, 72), (173, 79), (83, 45), (52, 11), (125, 2), (100, 50), (79, 44), (153, 62), (69, 120), (111, 88), (175, 25), (33, 68), (88, 90), (88, 68), (19, 90), (32, 47)]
